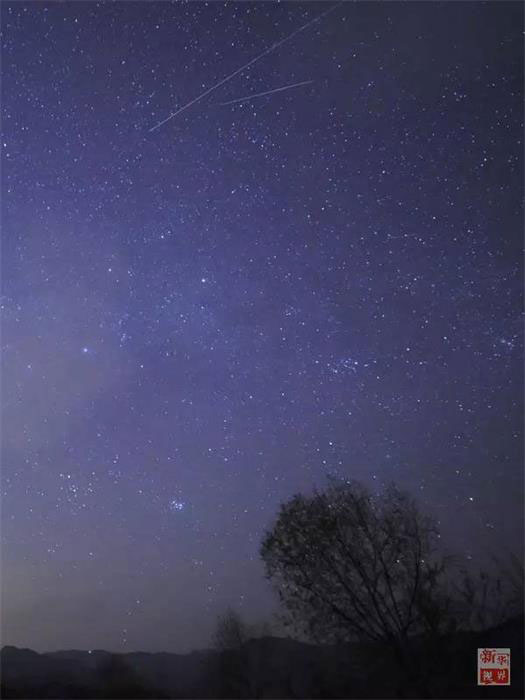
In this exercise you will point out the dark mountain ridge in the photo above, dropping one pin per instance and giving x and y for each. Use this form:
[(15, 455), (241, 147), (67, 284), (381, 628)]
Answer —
[(267, 667)]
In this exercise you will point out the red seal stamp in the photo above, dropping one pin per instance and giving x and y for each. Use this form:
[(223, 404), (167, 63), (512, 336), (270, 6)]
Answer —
[(493, 666)]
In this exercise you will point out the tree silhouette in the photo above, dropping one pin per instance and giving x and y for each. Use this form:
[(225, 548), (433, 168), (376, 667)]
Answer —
[(240, 663), (231, 631), (489, 598), (351, 565)]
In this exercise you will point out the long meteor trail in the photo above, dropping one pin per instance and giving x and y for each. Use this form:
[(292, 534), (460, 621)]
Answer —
[(246, 65), (267, 92)]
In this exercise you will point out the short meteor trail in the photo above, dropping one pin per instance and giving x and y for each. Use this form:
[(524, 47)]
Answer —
[(268, 92), (246, 65)]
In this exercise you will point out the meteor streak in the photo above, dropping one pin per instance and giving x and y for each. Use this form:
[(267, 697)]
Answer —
[(246, 65), (268, 92)]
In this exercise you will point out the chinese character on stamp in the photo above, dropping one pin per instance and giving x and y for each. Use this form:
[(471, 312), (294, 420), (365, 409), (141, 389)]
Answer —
[(493, 666)]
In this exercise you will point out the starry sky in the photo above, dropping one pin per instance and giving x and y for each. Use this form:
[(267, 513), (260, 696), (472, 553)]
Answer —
[(208, 311)]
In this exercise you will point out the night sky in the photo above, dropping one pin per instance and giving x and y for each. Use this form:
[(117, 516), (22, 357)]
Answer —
[(207, 313)]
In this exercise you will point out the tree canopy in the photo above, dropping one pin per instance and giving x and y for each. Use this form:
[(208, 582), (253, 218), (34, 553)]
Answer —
[(348, 564)]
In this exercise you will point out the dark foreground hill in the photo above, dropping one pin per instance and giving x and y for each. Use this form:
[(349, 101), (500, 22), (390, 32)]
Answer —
[(265, 668)]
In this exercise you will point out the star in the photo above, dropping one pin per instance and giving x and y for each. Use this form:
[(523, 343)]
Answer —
[(209, 305)]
